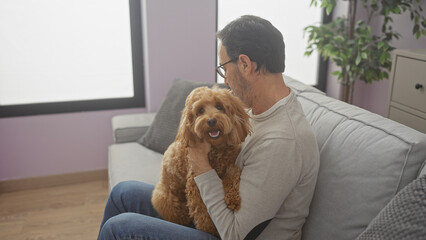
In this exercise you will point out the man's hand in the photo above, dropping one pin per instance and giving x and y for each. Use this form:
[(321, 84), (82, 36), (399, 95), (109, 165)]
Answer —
[(198, 157)]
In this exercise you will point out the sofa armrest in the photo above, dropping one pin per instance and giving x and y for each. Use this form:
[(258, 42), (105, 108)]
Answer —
[(130, 127)]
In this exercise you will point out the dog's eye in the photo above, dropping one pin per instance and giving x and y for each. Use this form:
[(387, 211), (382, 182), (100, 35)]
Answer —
[(200, 110), (219, 107)]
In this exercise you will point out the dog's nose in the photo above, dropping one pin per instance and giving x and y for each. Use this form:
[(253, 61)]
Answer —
[(212, 122)]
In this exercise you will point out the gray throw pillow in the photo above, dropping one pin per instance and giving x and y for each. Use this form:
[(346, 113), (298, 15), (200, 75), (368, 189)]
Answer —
[(163, 129), (404, 218)]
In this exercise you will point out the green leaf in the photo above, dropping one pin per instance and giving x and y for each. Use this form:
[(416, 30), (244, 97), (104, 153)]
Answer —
[(382, 58), (416, 29), (335, 73), (329, 9), (396, 10), (358, 59)]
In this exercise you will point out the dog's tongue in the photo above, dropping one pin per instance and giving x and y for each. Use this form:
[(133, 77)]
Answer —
[(214, 133)]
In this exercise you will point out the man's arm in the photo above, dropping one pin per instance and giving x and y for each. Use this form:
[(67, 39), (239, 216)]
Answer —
[(270, 172)]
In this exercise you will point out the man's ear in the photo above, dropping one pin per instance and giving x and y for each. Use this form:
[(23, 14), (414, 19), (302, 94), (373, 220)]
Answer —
[(245, 64)]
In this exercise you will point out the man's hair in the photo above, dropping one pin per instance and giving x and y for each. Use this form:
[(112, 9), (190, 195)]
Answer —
[(258, 39)]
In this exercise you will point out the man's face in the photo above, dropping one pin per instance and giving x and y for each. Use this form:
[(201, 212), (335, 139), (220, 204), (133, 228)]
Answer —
[(234, 79)]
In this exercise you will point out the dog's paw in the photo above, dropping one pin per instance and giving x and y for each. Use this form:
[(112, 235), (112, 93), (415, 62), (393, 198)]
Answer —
[(233, 201)]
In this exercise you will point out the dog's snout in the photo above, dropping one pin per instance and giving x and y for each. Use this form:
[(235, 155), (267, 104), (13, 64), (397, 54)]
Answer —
[(212, 122)]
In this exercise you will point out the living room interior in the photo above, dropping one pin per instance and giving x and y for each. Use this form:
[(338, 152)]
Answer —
[(55, 165)]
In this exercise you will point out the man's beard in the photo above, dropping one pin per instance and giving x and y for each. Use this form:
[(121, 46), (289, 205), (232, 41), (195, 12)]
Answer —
[(243, 89)]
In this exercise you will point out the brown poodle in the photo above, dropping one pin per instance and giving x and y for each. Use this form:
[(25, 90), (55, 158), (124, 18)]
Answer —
[(217, 116)]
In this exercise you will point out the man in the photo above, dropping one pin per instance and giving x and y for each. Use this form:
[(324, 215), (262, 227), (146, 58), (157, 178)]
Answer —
[(279, 161)]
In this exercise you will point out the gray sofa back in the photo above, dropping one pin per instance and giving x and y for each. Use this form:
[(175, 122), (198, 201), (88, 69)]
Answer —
[(365, 160)]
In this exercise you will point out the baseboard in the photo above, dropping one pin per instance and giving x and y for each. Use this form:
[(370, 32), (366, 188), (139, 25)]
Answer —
[(52, 180)]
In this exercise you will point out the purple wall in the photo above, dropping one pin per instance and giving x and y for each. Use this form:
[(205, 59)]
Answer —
[(181, 43), (55, 144), (374, 97)]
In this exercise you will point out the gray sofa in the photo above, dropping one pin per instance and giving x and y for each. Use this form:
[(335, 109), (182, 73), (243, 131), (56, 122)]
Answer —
[(366, 160)]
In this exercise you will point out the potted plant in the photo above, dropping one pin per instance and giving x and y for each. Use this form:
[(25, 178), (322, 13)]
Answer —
[(351, 44)]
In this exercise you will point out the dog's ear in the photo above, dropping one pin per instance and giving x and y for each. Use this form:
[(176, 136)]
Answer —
[(184, 131), (240, 118), (186, 126)]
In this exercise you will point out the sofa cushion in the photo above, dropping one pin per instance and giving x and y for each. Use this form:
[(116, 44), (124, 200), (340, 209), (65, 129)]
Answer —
[(365, 159), (404, 218), (132, 161), (163, 130)]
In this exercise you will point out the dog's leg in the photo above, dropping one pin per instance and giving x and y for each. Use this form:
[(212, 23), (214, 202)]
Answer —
[(171, 205), (231, 185), (197, 208)]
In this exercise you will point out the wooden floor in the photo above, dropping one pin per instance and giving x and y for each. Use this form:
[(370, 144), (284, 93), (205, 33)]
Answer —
[(64, 212)]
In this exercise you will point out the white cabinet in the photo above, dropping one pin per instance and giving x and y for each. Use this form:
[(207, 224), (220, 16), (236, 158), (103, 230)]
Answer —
[(407, 90)]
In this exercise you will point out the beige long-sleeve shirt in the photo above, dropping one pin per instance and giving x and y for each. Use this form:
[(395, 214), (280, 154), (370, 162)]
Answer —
[(279, 163)]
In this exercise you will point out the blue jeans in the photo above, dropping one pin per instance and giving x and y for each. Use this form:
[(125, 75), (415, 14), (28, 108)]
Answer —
[(129, 214)]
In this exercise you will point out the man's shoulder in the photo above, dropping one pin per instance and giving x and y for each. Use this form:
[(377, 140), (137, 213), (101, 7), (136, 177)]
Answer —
[(278, 126), (287, 123)]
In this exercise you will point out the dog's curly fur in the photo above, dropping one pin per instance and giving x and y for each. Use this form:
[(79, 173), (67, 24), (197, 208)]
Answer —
[(217, 116)]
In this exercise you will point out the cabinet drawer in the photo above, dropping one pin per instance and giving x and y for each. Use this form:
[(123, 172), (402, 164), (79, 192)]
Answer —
[(408, 119), (408, 73)]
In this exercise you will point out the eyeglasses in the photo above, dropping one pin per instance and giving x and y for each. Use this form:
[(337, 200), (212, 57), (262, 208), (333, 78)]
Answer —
[(221, 71)]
